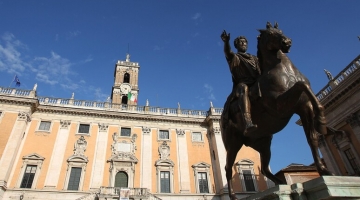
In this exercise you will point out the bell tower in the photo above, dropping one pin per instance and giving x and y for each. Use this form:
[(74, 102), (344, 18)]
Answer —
[(125, 89)]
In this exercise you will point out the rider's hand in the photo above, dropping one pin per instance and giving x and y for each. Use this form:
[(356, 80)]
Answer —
[(225, 37)]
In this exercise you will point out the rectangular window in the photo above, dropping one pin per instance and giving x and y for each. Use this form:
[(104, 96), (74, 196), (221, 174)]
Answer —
[(165, 182), (203, 182), (28, 177), (163, 135), (74, 180), (44, 126), (84, 128), (125, 132), (249, 181), (352, 160), (197, 137)]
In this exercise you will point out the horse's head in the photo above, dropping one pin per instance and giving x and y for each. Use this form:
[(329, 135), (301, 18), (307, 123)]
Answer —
[(273, 39)]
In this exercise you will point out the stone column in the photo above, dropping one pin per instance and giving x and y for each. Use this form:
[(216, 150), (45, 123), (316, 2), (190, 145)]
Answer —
[(327, 156), (99, 157), (183, 160), (57, 156), (12, 147), (147, 163)]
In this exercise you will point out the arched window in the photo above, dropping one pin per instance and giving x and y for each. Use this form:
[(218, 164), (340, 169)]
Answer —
[(124, 100), (126, 78), (121, 179)]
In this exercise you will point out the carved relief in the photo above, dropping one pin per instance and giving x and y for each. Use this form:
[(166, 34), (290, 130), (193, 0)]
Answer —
[(103, 127), (217, 130), (164, 151), (180, 132), (339, 136), (146, 130), (124, 145), (64, 124), (80, 146), (23, 116), (353, 120)]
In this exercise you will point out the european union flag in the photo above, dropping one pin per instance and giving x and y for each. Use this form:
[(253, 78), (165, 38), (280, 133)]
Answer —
[(17, 81)]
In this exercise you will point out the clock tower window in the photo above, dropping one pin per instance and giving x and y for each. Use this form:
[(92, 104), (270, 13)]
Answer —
[(124, 100), (126, 78)]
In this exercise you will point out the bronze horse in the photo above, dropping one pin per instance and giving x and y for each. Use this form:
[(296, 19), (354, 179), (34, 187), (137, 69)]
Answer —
[(282, 91)]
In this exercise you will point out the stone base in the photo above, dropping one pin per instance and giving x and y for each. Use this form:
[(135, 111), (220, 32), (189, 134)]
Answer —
[(325, 187)]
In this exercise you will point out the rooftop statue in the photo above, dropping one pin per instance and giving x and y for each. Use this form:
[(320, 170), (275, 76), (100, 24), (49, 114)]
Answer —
[(275, 95)]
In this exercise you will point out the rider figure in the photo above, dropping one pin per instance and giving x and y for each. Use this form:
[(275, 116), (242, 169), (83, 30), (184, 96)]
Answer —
[(244, 69)]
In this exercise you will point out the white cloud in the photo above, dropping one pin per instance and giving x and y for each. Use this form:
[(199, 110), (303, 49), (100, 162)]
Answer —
[(209, 92), (54, 69), (10, 56), (72, 34), (196, 16)]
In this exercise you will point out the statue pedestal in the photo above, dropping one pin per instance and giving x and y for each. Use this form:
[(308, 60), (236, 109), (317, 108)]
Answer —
[(325, 187)]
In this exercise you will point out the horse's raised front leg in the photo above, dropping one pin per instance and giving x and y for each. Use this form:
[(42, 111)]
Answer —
[(312, 137), (263, 147), (230, 159)]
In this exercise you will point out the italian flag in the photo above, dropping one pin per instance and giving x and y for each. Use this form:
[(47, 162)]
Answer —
[(131, 97)]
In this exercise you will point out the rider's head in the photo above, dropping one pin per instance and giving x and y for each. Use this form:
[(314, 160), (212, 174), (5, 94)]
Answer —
[(241, 44)]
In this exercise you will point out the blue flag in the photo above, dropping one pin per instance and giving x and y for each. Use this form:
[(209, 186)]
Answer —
[(17, 81)]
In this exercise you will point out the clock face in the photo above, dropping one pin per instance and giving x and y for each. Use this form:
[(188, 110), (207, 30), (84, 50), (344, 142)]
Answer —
[(125, 88)]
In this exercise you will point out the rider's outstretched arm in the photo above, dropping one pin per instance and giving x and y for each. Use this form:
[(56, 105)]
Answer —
[(227, 49)]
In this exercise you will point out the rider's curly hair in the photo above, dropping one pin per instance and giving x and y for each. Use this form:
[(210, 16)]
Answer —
[(236, 41)]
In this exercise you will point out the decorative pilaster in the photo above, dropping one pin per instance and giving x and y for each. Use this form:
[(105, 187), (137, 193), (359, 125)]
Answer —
[(183, 160), (146, 155), (57, 156), (99, 157), (12, 146)]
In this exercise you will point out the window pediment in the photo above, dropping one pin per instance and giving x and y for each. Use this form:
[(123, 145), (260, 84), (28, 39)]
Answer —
[(245, 162), (201, 165), (164, 163), (33, 156), (78, 159)]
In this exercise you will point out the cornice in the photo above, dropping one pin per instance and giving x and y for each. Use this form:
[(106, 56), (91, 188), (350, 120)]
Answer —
[(21, 101), (118, 115)]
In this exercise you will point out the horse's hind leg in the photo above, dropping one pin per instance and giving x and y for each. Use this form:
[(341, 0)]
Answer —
[(306, 115), (263, 147), (232, 150)]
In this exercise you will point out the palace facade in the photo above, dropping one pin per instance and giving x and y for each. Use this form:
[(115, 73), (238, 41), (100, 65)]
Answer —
[(56, 148), (341, 98)]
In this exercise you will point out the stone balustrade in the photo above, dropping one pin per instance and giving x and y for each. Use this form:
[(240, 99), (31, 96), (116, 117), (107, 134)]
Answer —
[(121, 107), (344, 74), (17, 92)]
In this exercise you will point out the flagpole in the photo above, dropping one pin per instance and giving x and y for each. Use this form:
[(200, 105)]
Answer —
[(12, 80)]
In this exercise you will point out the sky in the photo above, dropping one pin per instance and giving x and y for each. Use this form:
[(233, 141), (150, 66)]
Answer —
[(72, 46)]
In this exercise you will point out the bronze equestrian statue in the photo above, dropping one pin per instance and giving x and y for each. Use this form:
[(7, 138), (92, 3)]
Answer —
[(279, 92)]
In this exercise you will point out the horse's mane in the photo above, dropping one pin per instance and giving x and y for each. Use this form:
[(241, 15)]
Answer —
[(258, 53), (262, 39)]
